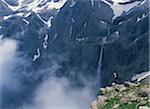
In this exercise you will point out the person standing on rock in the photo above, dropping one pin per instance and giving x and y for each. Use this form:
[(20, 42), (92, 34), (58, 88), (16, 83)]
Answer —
[(115, 76)]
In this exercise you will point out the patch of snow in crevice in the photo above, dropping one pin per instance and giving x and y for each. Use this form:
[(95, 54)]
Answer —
[(85, 24), (117, 33), (144, 1), (37, 55), (106, 2), (70, 31), (27, 14), (72, 19), (41, 19), (56, 5), (49, 22), (73, 2), (135, 40), (45, 43), (99, 5), (55, 36), (19, 14), (81, 39), (13, 8), (26, 21), (7, 17), (92, 2), (120, 1), (102, 21), (120, 23), (143, 16), (12, 15), (58, 10)]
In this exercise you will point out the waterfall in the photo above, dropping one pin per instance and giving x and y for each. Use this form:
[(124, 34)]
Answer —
[(100, 59), (101, 56)]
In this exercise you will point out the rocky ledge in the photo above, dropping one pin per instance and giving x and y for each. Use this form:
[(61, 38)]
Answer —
[(123, 96)]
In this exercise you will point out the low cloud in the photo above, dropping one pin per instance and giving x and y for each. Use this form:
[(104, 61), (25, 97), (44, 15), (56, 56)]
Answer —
[(57, 93), (52, 93), (8, 60)]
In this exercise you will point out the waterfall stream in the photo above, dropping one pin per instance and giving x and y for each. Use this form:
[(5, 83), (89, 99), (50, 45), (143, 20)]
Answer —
[(100, 59)]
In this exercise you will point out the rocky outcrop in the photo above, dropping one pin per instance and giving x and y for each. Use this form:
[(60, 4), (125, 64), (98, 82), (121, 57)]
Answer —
[(123, 96)]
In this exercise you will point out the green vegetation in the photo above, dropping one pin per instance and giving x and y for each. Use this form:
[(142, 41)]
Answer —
[(130, 96), (115, 102)]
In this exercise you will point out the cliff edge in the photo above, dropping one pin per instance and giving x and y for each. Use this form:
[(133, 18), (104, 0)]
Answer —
[(124, 96)]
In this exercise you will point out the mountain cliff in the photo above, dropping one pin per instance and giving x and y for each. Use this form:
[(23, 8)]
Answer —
[(86, 39), (124, 96)]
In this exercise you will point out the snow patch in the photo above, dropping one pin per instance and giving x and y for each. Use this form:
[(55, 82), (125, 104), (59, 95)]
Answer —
[(144, 1), (72, 19), (56, 35), (70, 31), (26, 21), (85, 24), (141, 76), (45, 43), (120, 1), (81, 39), (56, 5), (12, 15), (92, 2), (49, 22), (135, 40), (13, 8), (120, 23), (7, 17), (37, 55), (27, 15), (41, 19), (119, 9), (73, 2), (103, 22), (106, 2), (117, 33), (99, 5), (143, 16)]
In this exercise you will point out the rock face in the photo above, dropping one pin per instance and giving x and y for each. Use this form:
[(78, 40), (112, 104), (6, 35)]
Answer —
[(133, 96), (84, 38), (77, 34)]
